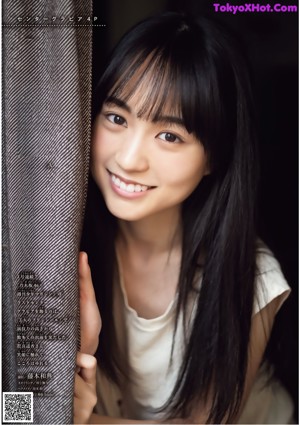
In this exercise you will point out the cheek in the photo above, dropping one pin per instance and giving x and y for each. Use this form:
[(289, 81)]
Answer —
[(186, 172), (100, 146)]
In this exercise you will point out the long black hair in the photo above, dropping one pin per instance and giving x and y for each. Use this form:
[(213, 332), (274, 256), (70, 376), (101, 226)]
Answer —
[(198, 67)]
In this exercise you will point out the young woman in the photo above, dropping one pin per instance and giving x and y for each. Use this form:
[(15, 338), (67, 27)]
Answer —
[(187, 293)]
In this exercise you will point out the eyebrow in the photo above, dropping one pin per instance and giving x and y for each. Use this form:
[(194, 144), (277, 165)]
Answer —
[(166, 119), (112, 100)]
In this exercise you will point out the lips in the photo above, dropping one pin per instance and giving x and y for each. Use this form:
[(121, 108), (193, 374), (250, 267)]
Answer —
[(127, 185)]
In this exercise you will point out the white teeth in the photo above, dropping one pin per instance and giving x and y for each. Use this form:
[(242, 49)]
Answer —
[(128, 187)]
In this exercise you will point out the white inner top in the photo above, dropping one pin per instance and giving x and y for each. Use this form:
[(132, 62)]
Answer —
[(146, 343)]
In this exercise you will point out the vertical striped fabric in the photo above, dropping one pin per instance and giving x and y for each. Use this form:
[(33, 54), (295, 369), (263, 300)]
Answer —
[(46, 129)]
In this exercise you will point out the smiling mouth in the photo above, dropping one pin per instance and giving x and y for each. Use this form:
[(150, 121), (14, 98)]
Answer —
[(129, 187)]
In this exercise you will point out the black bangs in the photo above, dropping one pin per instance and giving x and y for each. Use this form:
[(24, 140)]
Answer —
[(165, 84), (155, 85), (180, 70), (159, 69)]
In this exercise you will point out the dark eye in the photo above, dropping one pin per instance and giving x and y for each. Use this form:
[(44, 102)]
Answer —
[(116, 119), (169, 137)]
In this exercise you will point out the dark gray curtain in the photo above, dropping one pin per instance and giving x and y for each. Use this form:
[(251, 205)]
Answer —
[(46, 131)]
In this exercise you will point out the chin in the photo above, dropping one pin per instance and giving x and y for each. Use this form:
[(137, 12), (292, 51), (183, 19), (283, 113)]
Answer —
[(124, 214)]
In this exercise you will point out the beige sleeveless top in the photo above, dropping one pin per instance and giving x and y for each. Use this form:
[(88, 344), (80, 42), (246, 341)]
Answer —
[(146, 344)]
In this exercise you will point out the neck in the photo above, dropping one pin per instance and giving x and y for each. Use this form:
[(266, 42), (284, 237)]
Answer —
[(151, 235)]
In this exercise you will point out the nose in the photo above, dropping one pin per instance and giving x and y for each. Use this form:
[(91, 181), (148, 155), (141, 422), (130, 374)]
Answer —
[(132, 153)]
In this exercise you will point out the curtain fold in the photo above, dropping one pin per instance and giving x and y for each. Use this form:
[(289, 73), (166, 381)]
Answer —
[(46, 134)]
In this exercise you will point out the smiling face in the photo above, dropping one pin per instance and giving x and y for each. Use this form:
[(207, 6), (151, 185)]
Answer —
[(143, 167), (144, 164)]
